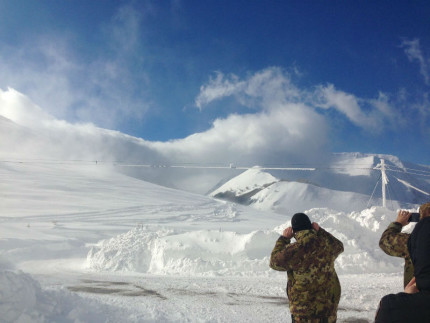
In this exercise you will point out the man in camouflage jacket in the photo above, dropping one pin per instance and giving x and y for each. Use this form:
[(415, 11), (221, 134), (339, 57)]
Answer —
[(313, 287), (412, 305), (395, 243)]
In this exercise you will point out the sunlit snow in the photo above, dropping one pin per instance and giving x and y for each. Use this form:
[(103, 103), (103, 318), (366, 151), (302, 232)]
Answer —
[(84, 243), (83, 239)]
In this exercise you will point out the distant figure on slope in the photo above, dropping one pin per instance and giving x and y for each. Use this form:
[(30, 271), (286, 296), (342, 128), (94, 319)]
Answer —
[(395, 243), (313, 287), (413, 304)]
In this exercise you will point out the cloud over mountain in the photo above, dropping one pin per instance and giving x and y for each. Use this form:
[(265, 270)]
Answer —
[(291, 132)]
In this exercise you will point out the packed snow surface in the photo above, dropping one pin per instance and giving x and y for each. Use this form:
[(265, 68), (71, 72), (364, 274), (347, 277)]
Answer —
[(83, 243)]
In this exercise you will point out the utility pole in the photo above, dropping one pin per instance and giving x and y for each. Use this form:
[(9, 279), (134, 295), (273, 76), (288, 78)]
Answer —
[(384, 181)]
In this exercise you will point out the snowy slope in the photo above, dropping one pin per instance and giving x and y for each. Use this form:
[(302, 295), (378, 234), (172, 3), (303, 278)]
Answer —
[(85, 242), (58, 141), (285, 197), (71, 208), (350, 183)]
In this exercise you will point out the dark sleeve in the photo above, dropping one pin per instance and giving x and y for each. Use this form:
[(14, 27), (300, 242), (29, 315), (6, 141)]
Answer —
[(335, 244), (277, 258), (403, 307), (393, 242)]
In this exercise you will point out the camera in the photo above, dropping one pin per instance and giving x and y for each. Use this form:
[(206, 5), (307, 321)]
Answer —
[(415, 217)]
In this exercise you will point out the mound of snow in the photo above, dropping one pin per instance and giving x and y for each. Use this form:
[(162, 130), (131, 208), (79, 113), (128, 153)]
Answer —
[(23, 300), (213, 252), (360, 233), (205, 252)]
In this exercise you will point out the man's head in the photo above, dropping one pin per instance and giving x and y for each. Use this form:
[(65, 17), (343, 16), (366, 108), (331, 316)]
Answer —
[(300, 221), (425, 210)]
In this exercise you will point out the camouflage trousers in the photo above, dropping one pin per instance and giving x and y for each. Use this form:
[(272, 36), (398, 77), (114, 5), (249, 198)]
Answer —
[(330, 319)]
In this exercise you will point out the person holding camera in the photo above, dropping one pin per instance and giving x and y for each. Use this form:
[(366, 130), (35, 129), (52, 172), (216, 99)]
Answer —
[(412, 305), (313, 288), (395, 243)]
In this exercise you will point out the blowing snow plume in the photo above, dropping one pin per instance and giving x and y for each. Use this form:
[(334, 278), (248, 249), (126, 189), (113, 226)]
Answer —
[(34, 134), (253, 138)]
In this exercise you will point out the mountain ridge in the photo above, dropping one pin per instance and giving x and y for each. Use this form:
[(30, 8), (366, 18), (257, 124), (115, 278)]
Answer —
[(350, 184), (346, 181)]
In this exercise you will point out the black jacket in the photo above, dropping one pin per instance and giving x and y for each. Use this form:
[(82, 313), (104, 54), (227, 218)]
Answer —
[(419, 249), (402, 307)]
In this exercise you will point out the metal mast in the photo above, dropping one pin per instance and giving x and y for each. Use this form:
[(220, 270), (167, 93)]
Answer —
[(384, 181)]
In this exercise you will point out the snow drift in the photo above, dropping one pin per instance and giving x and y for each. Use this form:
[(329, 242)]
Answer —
[(217, 252), (22, 299)]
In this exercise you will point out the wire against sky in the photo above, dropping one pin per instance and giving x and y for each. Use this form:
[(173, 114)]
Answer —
[(389, 168)]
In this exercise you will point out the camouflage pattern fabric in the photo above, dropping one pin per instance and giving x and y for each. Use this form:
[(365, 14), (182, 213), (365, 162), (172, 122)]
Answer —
[(313, 287), (331, 319), (423, 208), (395, 243)]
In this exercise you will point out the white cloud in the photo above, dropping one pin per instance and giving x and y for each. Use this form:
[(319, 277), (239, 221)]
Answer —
[(33, 133), (264, 88), (218, 88), (285, 133), (101, 88), (414, 53), (284, 125), (369, 114), (288, 133), (273, 88), (345, 103), (124, 31)]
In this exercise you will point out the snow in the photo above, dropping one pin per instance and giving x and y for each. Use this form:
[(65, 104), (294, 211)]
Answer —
[(24, 300), (208, 252), (246, 182), (339, 187), (83, 243), (87, 241)]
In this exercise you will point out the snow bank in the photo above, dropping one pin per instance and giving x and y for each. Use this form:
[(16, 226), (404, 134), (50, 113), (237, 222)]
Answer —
[(168, 252), (360, 233), (215, 252), (23, 300)]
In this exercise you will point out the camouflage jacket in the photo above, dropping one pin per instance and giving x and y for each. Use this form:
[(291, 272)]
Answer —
[(395, 243), (313, 287)]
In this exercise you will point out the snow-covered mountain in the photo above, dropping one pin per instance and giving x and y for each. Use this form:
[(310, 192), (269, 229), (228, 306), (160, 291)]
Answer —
[(345, 182), (348, 182), (27, 133)]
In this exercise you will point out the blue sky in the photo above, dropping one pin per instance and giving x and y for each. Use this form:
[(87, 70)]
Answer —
[(345, 75)]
